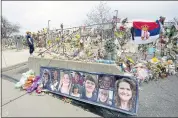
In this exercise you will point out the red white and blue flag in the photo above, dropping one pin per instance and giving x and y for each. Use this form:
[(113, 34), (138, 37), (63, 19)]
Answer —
[(144, 32)]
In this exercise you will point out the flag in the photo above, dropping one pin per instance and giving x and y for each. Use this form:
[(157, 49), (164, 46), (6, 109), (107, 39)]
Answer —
[(145, 32)]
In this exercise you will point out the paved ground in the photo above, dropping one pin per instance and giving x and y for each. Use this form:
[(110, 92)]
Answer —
[(12, 57), (36, 106), (16, 103), (158, 99)]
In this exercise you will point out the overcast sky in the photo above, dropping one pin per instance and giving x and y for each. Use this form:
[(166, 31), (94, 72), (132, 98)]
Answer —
[(34, 15)]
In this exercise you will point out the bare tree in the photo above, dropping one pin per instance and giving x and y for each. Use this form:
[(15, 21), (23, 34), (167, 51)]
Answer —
[(7, 28), (100, 14)]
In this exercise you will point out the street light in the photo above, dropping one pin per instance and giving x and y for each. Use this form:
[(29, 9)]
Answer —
[(48, 24)]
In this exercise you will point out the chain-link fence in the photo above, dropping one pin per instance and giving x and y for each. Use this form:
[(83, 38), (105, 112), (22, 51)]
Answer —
[(15, 42)]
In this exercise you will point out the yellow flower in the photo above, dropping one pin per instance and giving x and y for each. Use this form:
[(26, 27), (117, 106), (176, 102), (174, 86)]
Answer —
[(154, 59)]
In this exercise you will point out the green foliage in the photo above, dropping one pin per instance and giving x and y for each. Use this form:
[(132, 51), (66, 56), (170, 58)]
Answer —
[(110, 46), (75, 42)]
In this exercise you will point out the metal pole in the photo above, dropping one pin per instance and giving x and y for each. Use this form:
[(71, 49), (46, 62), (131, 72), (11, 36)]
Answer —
[(47, 33), (113, 54), (116, 17), (115, 23), (62, 37)]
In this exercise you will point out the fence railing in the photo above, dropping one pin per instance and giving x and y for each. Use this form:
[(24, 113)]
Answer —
[(104, 30)]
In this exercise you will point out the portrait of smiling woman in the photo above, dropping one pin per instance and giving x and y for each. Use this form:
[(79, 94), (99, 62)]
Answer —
[(65, 82), (125, 94)]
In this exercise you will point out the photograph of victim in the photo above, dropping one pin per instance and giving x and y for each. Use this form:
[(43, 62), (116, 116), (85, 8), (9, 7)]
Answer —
[(125, 94), (46, 78), (90, 87)]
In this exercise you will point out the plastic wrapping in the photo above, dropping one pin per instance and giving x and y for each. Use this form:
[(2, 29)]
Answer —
[(24, 78)]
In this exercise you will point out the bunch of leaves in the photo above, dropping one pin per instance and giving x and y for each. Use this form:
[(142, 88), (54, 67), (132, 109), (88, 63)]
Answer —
[(110, 45), (75, 42), (172, 31)]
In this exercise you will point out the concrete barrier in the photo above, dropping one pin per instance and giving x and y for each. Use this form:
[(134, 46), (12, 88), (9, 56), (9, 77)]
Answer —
[(35, 63), (14, 66)]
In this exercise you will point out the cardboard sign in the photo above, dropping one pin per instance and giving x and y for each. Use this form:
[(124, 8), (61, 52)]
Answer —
[(115, 92)]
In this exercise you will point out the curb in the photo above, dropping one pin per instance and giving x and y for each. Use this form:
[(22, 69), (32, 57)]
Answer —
[(9, 78), (14, 66)]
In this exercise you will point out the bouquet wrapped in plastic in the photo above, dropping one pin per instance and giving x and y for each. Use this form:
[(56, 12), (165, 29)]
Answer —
[(24, 78)]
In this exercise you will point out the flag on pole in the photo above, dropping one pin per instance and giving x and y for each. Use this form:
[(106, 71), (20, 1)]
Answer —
[(145, 32)]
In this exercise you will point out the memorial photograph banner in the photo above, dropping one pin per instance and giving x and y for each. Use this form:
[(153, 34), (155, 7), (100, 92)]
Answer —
[(115, 92)]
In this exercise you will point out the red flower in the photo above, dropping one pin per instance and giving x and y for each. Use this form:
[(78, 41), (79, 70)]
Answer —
[(122, 28)]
